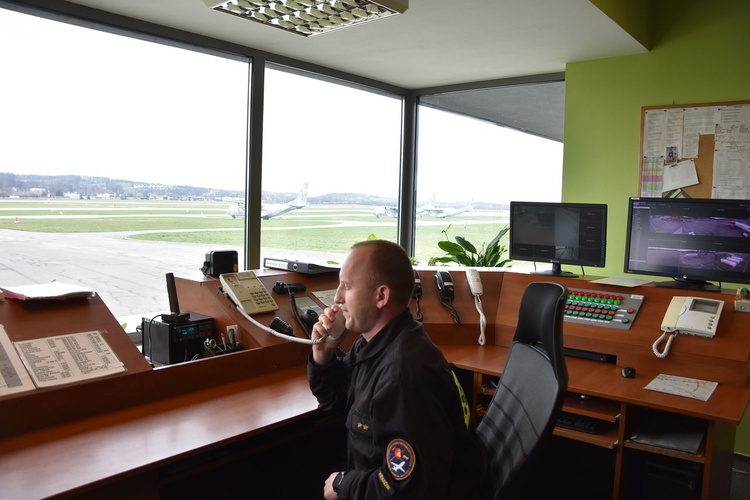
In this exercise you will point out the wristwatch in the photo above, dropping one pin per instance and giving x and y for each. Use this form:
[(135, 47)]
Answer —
[(337, 481)]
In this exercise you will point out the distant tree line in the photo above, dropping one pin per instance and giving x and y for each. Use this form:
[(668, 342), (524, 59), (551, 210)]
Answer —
[(40, 186)]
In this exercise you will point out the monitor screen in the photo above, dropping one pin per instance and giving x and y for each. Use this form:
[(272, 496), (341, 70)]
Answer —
[(693, 241), (558, 233)]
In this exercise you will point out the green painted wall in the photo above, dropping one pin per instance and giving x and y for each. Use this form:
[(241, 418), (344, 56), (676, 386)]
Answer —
[(700, 53)]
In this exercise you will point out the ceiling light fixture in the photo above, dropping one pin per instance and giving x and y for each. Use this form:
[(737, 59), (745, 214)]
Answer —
[(310, 17)]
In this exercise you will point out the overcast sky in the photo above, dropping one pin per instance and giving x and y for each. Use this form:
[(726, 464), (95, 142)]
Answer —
[(77, 101)]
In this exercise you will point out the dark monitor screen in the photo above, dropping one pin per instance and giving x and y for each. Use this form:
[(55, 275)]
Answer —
[(558, 233), (693, 241)]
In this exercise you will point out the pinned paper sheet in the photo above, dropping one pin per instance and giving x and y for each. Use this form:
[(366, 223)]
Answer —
[(679, 175)]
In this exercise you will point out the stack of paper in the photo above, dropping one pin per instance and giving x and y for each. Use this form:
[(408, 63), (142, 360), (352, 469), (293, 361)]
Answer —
[(54, 290)]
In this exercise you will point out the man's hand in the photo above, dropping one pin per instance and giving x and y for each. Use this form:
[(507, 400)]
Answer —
[(330, 326), (328, 492)]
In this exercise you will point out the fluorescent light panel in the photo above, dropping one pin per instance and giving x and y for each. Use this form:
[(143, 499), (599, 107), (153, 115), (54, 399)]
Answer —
[(310, 17)]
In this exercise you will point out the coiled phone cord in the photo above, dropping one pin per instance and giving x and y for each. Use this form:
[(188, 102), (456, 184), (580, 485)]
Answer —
[(482, 319), (655, 347)]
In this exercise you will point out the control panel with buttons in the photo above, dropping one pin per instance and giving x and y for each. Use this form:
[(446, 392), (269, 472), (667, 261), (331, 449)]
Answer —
[(609, 310)]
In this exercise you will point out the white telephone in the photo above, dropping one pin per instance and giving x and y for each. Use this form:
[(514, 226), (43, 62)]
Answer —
[(250, 296), (247, 292), (692, 315)]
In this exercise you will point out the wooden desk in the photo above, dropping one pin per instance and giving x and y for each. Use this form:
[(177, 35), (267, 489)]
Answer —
[(596, 389), (131, 447), (172, 431)]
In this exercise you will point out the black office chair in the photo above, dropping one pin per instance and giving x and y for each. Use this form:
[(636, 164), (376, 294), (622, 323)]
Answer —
[(530, 393)]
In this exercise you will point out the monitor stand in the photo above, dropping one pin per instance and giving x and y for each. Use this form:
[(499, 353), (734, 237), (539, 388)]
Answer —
[(688, 284), (556, 271)]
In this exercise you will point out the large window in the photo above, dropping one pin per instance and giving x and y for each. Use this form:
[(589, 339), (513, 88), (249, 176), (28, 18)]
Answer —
[(341, 145), (126, 158), (119, 159), (470, 166)]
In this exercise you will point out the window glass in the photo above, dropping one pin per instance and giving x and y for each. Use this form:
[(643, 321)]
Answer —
[(342, 146), (468, 171), (119, 157)]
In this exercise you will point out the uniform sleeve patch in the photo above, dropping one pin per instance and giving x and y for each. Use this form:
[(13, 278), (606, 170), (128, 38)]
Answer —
[(401, 459)]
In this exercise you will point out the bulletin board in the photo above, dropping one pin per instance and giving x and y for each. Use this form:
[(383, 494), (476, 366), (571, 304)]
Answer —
[(695, 150)]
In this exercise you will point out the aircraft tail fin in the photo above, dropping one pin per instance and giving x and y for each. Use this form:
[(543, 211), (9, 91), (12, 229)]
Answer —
[(301, 199)]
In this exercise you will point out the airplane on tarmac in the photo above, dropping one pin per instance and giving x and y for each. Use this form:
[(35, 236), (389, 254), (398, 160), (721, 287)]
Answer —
[(270, 210), (385, 212), (428, 210), (442, 213)]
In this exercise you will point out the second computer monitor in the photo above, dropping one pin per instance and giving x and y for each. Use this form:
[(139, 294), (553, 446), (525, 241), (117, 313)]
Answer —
[(558, 233)]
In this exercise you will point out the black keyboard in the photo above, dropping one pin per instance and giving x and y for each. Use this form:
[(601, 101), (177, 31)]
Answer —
[(579, 422)]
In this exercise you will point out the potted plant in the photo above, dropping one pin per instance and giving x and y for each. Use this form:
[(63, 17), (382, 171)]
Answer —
[(464, 253)]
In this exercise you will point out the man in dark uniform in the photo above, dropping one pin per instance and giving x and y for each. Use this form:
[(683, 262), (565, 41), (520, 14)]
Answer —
[(408, 435)]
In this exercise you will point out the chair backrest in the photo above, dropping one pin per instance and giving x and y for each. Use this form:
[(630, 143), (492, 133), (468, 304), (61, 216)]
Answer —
[(531, 390)]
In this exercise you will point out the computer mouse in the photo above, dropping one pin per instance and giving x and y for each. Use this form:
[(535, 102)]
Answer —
[(628, 372)]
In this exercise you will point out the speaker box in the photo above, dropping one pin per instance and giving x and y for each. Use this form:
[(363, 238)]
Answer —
[(220, 262)]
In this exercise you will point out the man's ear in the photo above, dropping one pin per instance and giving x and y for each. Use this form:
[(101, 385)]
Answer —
[(383, 296)]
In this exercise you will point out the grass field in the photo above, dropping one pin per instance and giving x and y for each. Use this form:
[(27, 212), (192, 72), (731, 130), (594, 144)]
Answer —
[(316, 228)]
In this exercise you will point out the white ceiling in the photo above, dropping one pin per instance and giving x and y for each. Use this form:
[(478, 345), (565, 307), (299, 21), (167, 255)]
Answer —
[(435, 43)]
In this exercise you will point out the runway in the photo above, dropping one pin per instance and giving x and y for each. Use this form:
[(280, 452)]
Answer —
[(128, 274)]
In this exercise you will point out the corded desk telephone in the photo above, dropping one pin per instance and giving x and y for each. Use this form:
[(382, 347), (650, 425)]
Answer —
[(247, 292), (250, 296), (691, 315)]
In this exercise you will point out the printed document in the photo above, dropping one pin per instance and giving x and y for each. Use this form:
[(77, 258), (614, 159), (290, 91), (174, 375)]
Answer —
[(68, 358), (13, 376)]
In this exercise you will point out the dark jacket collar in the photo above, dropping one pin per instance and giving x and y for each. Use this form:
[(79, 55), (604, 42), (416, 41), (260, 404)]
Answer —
[(363, 350)]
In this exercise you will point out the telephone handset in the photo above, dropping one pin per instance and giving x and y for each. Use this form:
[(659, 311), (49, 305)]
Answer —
[(445, 286), (247, 292), (691, 315), (447, 291), (417, 293), (475, 282)]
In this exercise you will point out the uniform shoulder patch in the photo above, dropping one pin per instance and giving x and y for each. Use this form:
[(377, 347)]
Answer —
[(401, 459)]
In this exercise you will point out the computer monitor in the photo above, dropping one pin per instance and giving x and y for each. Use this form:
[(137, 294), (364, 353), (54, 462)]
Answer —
[(693, 241), (558, 233)]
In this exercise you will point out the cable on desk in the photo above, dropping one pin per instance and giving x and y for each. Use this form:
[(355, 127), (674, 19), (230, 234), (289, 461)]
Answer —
[(277, 334)]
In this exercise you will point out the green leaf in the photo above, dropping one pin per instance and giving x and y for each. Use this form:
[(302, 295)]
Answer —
[(450, 247), (466, 244), (499, 236)]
